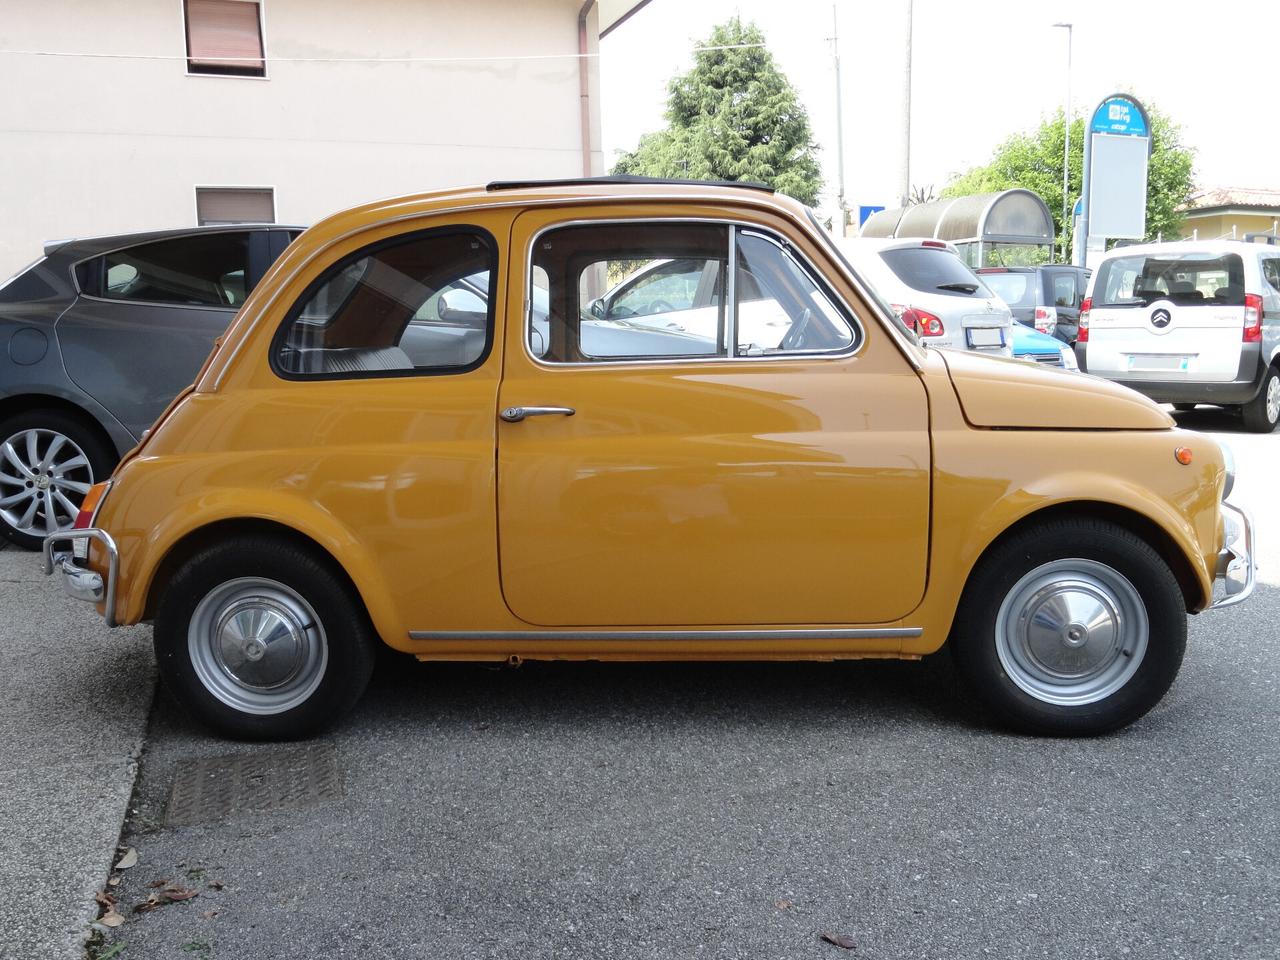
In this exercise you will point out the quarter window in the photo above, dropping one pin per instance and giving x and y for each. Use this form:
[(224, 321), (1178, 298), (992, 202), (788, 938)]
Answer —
[(657, 291), (1271, 273), (1064, 290), (206, 270), (224, 37), (419, 304)]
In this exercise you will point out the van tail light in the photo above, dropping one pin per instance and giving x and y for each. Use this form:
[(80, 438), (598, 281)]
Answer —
[(1252, 318), (1082, 334), (1046, 319), (89, 506)]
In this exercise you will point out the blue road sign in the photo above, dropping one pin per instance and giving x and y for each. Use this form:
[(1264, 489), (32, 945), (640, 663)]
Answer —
[(865, 212), (1119, 116)]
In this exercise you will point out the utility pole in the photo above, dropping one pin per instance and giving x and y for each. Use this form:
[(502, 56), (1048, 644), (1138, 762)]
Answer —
[(906, 120), (835, 55), (1066, 151)]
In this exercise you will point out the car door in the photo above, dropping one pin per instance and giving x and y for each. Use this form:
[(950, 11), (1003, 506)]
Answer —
[(652, 479), (147, 316)]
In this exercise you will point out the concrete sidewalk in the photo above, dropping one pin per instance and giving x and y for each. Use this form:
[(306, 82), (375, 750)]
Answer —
[(73, 714)]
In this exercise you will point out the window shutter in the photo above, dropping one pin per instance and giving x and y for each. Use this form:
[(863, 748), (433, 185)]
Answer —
[(224, 36), (224, 205)]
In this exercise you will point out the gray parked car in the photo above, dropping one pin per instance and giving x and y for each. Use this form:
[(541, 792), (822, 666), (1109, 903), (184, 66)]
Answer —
[(96, 338)]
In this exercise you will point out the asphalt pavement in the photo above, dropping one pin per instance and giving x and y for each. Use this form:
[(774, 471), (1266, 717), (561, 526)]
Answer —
[(648, 811)]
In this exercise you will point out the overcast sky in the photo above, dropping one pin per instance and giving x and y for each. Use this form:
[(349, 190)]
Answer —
[(983, 69)]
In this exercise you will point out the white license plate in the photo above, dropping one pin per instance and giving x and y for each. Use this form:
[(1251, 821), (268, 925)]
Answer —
[(1159, 363), (985, 336)]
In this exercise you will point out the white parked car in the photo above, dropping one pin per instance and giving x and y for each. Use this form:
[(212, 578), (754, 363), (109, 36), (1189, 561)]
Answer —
[(933, 292), (1189, 322)]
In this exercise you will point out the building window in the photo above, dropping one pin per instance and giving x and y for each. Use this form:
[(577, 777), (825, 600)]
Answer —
[(224, 37), (217, 205)]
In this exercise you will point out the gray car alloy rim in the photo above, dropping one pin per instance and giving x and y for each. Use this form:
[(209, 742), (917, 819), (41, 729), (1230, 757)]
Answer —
[(44, 476), (257, 646), (1072, 632), (1273, 399)]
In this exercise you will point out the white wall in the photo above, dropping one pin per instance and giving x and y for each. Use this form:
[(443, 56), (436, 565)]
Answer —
[(92, 146)]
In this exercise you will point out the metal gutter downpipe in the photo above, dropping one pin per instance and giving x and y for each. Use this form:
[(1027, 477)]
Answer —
[(584, 86)]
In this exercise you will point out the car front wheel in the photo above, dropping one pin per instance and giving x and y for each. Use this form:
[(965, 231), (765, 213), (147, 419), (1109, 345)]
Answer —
[(1072, 628), (260, 639)]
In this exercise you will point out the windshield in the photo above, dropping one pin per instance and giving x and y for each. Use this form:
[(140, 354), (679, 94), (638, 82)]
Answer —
[(1183, 279), (934, 270), (1015, 289)]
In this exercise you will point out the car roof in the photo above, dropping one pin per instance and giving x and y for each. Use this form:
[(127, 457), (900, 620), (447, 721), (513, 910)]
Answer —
[(1183, 247), (895, 243), (80, 247)]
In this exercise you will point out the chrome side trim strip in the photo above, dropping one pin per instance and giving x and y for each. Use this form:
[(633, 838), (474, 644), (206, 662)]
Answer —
[(860, 633)]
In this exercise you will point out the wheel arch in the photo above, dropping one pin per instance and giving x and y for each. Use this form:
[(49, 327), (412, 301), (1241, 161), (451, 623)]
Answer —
[(26, 402), (196, 539), (1142, 526)]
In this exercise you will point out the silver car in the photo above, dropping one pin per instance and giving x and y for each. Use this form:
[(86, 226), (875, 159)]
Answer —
[(99, 335)]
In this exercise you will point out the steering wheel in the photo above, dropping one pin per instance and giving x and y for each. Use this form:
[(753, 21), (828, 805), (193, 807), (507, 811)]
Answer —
[(795, 335), (659, 306)]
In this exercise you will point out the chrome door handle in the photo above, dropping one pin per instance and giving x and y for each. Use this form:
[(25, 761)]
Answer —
[(516, 414)]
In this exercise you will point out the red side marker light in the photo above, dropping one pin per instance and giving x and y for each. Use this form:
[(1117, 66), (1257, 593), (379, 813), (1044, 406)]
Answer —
[(1183, 455)]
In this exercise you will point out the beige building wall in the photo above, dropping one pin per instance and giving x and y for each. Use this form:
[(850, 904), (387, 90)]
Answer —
[(95, 145), (1212, 226)]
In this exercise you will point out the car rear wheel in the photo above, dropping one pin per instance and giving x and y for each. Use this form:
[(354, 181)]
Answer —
[(1072, 628), (48, 461), (1262, 413), (262, 640)]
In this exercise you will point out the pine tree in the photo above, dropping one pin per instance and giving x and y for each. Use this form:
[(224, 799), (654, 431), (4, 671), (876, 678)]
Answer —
[(734, 116)]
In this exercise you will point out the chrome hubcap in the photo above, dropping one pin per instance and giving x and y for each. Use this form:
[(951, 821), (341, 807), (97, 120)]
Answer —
[(44, 476), (257, 646), (1072, 632), (1273, 399)]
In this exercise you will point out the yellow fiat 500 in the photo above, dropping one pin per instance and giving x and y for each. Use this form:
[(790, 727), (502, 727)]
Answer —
[(640, 421)]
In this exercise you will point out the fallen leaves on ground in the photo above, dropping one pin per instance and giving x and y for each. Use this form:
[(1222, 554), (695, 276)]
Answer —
[(109, 918), (171, 893), (840, 940), (129, 859), (215, 884)]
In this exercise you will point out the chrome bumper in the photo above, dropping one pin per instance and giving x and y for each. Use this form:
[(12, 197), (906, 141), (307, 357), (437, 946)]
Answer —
[(80, 582), (1234, 574)]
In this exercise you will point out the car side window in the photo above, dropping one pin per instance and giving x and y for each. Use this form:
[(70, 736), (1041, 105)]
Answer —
[(415, 304), (791, 313), (205, 270), (1064, 290), (635, 291), (1271, 272)]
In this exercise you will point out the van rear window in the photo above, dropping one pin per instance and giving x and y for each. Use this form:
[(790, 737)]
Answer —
[(1185, 280)]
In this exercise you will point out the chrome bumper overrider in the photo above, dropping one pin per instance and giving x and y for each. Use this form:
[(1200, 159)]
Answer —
[(1234, 576), (78, 581)]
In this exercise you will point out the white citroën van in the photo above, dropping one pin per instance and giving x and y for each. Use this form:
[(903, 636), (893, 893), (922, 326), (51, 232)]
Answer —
[(1189, 322)]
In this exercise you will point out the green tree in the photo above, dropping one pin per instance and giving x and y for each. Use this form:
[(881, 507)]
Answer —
[(734, 116), (1034, 161)]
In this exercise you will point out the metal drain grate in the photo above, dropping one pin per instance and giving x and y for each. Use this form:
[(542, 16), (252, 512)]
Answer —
[(217, 788)]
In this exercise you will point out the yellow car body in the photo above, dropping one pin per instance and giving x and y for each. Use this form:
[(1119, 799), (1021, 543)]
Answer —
[(817, 507)]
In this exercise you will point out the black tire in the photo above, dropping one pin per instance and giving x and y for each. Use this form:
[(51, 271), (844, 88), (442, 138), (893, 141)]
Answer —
[(1184, 407), (1257, 417), (99, 454), (342, 630), (1103, 546)]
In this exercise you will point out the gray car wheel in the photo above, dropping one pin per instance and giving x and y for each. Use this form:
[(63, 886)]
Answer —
[(48, 461), (1262, 413)]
